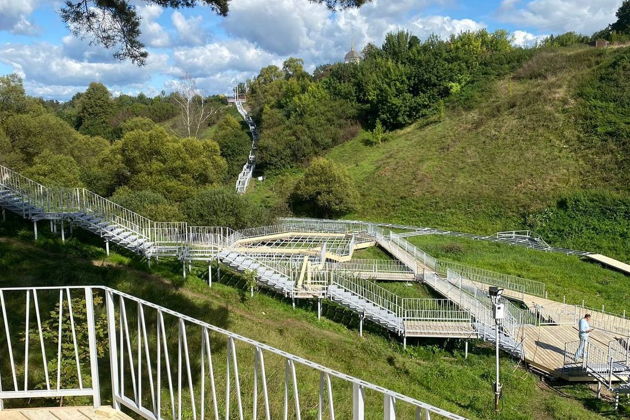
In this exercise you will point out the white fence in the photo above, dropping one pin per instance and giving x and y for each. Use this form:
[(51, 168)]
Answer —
[(166, 365)]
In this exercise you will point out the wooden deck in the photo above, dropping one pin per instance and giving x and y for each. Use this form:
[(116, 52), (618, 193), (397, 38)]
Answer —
[(544, 346), (63, 413)]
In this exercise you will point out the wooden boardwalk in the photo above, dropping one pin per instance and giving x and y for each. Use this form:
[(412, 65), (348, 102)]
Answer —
[(544, 346), (63, 413)]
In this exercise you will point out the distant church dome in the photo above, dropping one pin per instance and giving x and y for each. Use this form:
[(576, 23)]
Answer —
[(352, 56)]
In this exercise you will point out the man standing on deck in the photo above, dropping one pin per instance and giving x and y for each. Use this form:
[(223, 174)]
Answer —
[(584, 328)]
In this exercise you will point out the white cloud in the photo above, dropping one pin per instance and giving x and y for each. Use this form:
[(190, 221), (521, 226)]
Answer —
[(14, 16), (206, 60), (582, 16), (443, 26), (153, 34), (525, 39), (45, 66), (189, 31)]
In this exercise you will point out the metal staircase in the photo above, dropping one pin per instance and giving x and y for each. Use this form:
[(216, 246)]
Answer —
[(368, 299), (248, 169)]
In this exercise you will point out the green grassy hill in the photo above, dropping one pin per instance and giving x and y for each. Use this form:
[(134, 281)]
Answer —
[(434, 371), (503, 154)]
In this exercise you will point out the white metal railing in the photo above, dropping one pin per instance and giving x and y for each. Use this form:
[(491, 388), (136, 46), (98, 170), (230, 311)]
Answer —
[(370, 266), (606, 362), (556, 313), (506, 281), (166, 365), (442, 310)]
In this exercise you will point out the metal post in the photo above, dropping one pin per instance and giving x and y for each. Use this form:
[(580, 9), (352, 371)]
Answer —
[(4, 215), (113, 347), (107, 247), (89, 312), (319, 308), (63, 233), (361, 316), (209, 275), (35, 228), (358, 402), (184, 269), (497, 385), (466, 349)]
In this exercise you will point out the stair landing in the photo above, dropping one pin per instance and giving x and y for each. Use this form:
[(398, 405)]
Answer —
[(63, 413)]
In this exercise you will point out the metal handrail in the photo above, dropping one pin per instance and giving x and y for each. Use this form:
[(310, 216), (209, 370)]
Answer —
[(153, 355), (480, 275)]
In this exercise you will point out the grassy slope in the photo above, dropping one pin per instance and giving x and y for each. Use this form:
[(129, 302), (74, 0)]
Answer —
[(512, 150), (428, 372)]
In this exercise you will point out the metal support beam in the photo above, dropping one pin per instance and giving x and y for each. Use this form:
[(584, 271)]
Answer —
[(404, 341), (466, 349), (35, 228), (319, 308), (63, 233), (209, 275), (107, 247), (361, 316)]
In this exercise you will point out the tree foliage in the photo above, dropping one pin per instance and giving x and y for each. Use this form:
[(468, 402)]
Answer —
[(222, 206), (325, 190), (95, 111)]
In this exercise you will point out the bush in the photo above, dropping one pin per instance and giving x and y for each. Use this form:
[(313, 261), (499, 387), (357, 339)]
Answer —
[(222, 206), (325, 190)]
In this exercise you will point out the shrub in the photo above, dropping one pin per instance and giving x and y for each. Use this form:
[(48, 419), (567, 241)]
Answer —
[(325, 190)]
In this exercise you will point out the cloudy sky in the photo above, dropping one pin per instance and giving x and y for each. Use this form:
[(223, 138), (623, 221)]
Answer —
[(219, 52)]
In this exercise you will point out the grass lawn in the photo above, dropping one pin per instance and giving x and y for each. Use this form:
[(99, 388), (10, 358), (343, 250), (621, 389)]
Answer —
[(432, 371)]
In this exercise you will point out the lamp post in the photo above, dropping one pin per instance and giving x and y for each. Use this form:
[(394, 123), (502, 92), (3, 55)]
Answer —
[(498, 313)]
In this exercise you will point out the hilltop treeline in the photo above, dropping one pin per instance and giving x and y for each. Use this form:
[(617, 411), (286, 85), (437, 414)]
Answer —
[(392, 86)]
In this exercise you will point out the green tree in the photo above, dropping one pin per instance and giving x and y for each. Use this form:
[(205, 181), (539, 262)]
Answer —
[(222, 206), (12, 96), (137, 123), (325, 190), (95, 112), (622, 25), (55, 170), (234, 142), (148, 203), (157, 160)]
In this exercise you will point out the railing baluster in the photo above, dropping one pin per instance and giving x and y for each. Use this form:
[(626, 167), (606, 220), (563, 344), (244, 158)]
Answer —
[(41, 339), (59, 339), (26, 340)]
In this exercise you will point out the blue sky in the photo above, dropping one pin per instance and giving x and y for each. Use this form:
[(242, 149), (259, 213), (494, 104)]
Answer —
[(219, 52)]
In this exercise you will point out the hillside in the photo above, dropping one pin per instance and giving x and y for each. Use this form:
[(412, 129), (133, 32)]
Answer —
[(426, 372), (504, 153)]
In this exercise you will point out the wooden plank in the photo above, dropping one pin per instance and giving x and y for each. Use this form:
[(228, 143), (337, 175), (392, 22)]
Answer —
[(63, 413), (611, 262)]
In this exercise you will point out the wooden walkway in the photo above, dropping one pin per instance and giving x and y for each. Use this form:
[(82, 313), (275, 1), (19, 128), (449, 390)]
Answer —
[(544, 346), (63, 413), (611, 262)]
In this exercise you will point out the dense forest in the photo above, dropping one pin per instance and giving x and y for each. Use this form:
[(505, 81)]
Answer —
[(151, 156)]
